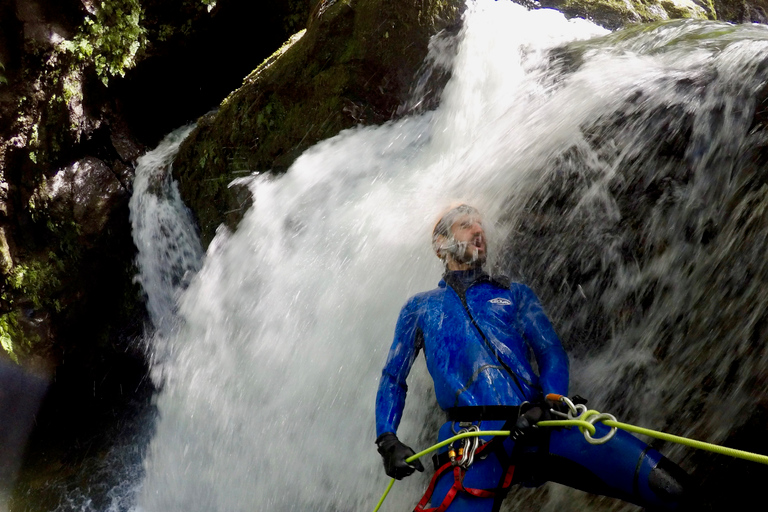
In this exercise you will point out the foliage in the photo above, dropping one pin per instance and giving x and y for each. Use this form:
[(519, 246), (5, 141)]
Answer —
[(9, 329), (14, 339), (37, 280), (111, 39), (3, 80), (35, 284)]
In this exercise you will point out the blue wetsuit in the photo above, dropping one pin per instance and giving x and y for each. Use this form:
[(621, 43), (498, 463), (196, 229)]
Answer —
[(476, 334)]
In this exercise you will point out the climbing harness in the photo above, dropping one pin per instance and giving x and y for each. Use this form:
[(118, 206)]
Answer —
[(460, 458), (577, 415)]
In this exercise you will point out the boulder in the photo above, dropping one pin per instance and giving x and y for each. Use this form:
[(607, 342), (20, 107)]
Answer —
[(355, 64), (86, 192), (741, 11), (613, 14)]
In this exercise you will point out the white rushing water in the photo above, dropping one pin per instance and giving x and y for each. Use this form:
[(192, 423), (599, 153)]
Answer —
[(169, 250), (274, 350), (269, 401)]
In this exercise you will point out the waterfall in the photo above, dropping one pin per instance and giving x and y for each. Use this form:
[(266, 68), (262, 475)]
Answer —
[(169, 250), (163, 230), (555, 129)]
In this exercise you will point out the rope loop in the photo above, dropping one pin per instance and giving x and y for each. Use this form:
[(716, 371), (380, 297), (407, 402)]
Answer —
[(593, 417)]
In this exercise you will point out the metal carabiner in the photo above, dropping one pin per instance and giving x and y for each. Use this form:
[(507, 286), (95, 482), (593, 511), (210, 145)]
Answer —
[(464, 425), (470, 447), (574, 411), (465, 454)]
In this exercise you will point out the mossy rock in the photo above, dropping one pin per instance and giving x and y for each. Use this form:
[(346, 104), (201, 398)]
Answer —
[(354, 64), (614, 14), (742, 11)]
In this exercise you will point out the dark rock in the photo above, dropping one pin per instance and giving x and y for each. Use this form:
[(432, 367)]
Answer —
[(70, 133), (87, 192), (740, 11), (355, 64)]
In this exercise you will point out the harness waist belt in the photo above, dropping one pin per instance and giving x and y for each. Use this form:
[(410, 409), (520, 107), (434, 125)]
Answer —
[(483, 412)]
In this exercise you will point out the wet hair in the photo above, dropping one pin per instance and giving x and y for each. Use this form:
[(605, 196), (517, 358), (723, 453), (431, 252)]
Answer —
[(443, 226)]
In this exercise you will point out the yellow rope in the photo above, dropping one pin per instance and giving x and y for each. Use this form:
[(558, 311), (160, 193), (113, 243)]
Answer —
[(378, 505), (583, 424), (692, 443)]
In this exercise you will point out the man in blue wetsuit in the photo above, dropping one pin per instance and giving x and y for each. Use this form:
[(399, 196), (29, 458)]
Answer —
[(476, 332)]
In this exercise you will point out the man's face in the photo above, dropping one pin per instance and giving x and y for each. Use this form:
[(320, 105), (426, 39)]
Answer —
[(470, 247)]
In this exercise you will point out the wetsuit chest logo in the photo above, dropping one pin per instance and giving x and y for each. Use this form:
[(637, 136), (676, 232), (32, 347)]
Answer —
[(500, 301)]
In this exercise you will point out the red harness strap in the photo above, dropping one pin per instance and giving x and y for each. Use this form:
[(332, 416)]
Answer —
[(458, 485)]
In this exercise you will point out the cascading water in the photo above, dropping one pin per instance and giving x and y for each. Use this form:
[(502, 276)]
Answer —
[(274, 350), (163, 230), (169, 250)]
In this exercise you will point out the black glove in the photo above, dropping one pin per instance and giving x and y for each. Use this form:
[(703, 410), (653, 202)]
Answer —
[(533, 413), (526, 422), (394, 454)]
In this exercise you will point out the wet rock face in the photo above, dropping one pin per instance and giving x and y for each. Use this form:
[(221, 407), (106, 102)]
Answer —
[(71, 129), (354, 65), (738, 11), (87, 192), (68, 143), (613, 14), (663, 255)]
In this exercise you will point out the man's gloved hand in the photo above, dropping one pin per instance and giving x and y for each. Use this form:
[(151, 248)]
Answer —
[(394, 454), (527, 420), (532, 413)]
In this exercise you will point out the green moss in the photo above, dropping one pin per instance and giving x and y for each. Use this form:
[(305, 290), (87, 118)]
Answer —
[(433, 11), (71, 89), (673, 10), (37, 280), (12, 338), (618, 13), (712, 10), (352, 65), (271, 59), (352, 51)]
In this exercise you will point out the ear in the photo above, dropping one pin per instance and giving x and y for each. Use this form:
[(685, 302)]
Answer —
[(439, 246)]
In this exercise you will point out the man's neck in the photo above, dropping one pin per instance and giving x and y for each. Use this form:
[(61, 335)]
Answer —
[(455, 266), (462, 280)]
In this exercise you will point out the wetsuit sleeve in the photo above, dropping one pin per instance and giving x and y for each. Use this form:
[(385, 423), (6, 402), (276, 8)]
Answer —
[(390, 399), (550, 356)]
